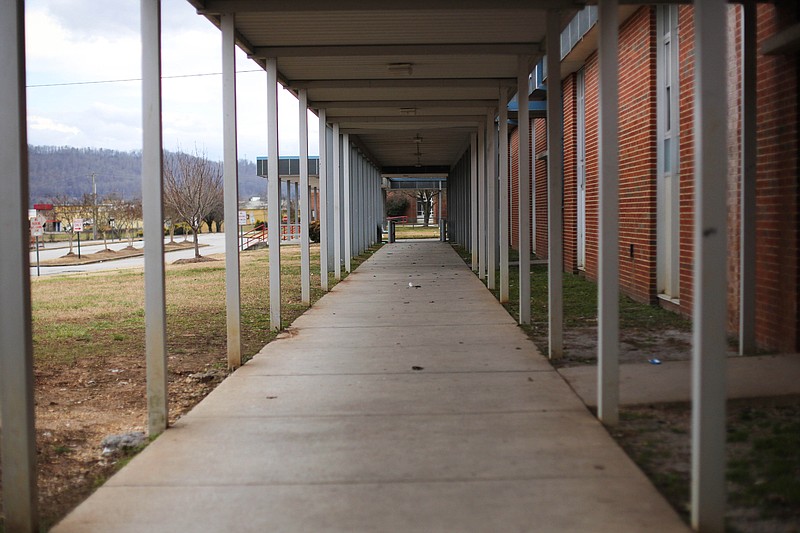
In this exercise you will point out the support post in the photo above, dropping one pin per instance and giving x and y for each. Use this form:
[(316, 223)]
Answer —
[(305, 251), (337, 202), (273, 197), (503, 171), (709, 314), (524, 184), (608, 247), (482, 201), (473, 221), (322, 201), (347, 183), (231, 192), (297, 203), (152, 213), (747, 251), (491, 202), (18, 449), (555, 240)]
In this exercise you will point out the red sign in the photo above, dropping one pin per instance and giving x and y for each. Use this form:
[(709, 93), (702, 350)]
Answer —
[(43, 207)]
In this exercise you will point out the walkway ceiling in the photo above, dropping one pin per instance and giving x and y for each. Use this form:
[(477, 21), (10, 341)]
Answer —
[(409, 78)]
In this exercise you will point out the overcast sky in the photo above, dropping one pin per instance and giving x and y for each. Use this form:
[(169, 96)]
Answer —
[(71, 43)]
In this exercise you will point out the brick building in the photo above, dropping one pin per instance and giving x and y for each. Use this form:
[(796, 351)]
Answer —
[(656, 151)]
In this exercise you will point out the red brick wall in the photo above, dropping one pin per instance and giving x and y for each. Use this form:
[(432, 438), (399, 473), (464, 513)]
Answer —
[(778, 194), (591, 118), (637, 183), (734, 162), (637, 162), (570, 174), (686, 153), (440, 211), (539, 129), (777, 187), (776, 183), (513, 169), (513, 184)]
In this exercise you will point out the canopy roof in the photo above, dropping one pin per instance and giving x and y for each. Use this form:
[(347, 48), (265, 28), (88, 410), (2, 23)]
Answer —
[(392, 73)]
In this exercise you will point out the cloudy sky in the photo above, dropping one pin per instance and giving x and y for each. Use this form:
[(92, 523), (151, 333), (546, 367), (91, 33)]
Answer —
[(83, 70)]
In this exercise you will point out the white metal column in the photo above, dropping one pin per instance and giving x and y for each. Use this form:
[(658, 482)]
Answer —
[(322, 203), (709, 346), (153, 217), (347, 184), (555, 240), (273, 197), (747, 251), (375, 202), (473, 193), (305, 219), (231, 192), (356, 203), (18, 450), (482, 201), (503, 171), (297, 202), (337, 203), (524, 187), (364, 206), (491, 202), (608, 244)]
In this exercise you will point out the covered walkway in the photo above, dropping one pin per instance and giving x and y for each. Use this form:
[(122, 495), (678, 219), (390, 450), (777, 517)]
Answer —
[(412, 87), (407, 399)]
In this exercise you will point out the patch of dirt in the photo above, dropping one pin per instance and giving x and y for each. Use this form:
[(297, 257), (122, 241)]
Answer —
[(189, 260), (71, 258), (636, 345), (77, 406)]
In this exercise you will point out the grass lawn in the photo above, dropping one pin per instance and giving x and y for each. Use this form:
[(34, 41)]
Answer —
[(417, 232)]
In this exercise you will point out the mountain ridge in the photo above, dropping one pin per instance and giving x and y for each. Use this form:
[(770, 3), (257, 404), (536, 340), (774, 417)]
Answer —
[(66, 171)]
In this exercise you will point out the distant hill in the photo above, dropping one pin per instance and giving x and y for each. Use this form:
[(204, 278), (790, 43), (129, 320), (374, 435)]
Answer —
[(64, 170)]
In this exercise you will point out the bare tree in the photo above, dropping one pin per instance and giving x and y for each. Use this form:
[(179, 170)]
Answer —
[(192, 189), (126, 215), (172, 218), (66, 210), (426, 196), (216, 215)]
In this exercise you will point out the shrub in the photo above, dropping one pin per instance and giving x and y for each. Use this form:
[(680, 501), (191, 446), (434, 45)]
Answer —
[(313, 231), (396, 205)]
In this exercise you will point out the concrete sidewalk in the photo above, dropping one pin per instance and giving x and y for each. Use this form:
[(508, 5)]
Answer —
[(671, 381), (406, 399)]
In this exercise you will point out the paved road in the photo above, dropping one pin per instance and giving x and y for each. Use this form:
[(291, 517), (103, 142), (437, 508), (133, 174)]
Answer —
[(215, 244)]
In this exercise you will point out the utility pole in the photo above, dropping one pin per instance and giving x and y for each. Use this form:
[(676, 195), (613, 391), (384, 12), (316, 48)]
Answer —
[(94, 207)]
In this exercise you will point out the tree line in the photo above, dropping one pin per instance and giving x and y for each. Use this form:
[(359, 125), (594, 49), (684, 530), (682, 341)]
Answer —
[(57, 171), (193, 195)]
